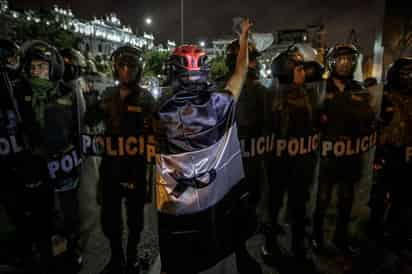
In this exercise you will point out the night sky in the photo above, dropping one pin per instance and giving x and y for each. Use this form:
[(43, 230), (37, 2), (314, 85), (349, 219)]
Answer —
[(210, 19)]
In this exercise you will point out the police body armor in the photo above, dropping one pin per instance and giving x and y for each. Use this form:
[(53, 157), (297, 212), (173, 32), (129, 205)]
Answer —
[(348, 130), (252, 112), (199, 170), (126, 118), (57, 135), (11, 138)]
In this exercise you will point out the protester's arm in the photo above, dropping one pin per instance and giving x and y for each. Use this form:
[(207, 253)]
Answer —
[(235, 83)]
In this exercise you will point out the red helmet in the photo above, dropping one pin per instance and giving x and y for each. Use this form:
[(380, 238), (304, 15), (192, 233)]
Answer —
[(188, 62)]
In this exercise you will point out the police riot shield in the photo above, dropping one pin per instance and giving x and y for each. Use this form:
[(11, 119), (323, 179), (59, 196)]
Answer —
[(362, 196), (348, 139), (253, 110), (12, 141), (317, 94), (89, 174), (152, 84), (10, 116), (95, 84), (294, 159), (98, 82)]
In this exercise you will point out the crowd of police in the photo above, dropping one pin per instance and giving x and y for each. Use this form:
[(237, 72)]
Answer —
[(227, 153)]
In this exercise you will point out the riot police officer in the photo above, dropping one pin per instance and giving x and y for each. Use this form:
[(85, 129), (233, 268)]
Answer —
[(69, 111), (126, 110), (293, 162), (12, 144), (347, 119), (393, 158), (37, 95)]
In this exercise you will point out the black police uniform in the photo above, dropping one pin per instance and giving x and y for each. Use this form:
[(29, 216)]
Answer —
[(123, 177), (345, 115)]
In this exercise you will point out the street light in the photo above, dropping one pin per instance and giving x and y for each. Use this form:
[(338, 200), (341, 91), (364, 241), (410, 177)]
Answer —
[(202, 44), (182, 39), (148, 21)]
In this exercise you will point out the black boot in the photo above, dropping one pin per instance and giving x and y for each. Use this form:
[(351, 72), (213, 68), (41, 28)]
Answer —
[(115, 266), (133, 266), (74, 256), (117, 263), (133, 261), (305, 263), (245, 263), (342, 243), (318, 242)]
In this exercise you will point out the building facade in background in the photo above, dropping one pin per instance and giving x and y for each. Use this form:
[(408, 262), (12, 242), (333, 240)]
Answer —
[(99, 36)]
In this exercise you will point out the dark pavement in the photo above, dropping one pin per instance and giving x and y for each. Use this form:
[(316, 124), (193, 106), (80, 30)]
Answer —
[(96, 249)]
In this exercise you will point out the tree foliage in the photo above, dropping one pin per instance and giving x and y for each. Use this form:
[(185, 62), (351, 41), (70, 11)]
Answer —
[(155, 61), (218, 67)]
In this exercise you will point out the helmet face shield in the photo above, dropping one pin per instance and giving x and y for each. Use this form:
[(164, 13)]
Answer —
[(344, 65), (40, 59), (299, 74), (343, 60), (127, 72), (288, 67), (35, 51), (39, 69), (127, 65), (40, 53), (126, 61)]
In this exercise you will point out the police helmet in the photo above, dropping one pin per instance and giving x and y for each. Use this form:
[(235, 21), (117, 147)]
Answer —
[(40, 50), (74, 64), (399, 75), (284, 64), (339, 50), (8, 53), (127, 55)]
